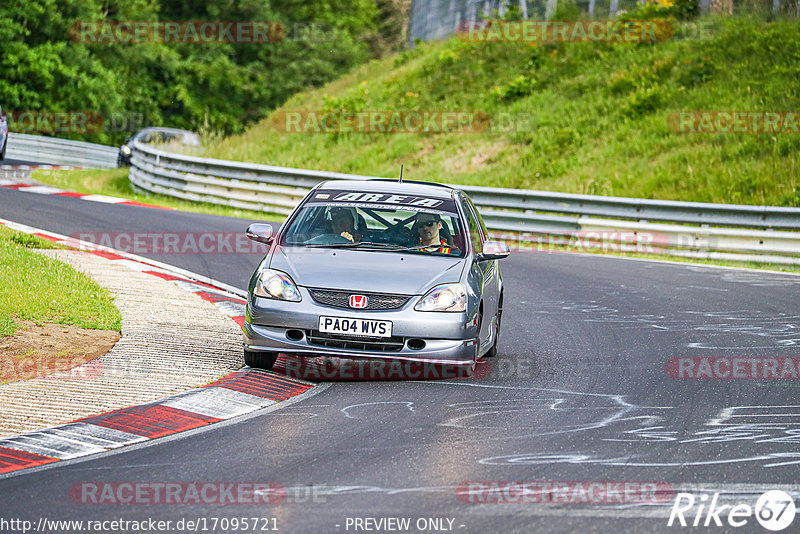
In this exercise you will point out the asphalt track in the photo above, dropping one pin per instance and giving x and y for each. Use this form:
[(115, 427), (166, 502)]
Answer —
[(18, 162), (579, 392)]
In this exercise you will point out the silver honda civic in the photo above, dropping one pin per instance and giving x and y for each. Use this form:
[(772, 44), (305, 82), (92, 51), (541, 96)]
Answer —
[(376, 269)]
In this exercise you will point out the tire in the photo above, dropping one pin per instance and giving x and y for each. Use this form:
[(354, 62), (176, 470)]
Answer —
[(493, 351), (260, 360)]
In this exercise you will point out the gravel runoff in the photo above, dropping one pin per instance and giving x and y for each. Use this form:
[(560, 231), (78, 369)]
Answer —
[(172, 341)]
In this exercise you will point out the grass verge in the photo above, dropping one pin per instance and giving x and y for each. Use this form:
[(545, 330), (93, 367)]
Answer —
[(40, 289)]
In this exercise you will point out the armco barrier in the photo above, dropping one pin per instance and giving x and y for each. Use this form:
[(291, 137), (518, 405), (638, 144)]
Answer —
[(721, 231), (55, 151)]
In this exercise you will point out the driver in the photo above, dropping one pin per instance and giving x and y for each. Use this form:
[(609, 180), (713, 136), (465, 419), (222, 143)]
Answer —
[(428, 226), (343, 224)]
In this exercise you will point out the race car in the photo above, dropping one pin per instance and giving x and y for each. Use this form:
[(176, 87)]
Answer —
[(155, 135), (376, 269)]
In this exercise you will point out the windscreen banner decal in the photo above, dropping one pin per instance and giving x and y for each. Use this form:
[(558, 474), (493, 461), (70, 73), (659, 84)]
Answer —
[(380, 200)]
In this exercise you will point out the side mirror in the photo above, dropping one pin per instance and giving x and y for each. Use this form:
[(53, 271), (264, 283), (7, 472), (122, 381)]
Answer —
[(494, 250), (260, 232)]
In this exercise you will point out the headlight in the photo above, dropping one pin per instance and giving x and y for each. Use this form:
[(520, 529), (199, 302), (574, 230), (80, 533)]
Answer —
[(276, 285), (126, 150), (445, 298)]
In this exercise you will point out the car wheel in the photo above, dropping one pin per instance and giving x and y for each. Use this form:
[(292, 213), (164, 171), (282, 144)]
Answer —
[(493, 351), (260, 360)]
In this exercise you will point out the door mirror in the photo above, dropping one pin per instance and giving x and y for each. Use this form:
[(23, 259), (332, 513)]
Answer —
[(260, 232), (494, 250)]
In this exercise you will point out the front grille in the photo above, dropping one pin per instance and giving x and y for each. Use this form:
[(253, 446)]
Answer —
[(341, 299), (339, 341)]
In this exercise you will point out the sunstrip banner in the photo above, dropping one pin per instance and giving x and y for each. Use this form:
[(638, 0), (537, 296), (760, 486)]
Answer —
[(374, 200)]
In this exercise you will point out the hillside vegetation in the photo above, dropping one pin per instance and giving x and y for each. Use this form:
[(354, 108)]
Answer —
[(575, 117)]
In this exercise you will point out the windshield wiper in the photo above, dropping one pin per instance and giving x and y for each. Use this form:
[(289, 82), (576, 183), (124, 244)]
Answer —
[(328, 245), (356, 245), (424, 247), (380, 246)]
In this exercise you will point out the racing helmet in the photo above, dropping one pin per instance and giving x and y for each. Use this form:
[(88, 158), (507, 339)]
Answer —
[(336, 211)]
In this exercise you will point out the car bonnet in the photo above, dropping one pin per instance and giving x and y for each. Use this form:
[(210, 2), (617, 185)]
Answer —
[(368, 271)]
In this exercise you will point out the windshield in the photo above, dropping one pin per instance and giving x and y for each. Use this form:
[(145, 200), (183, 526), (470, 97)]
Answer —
[(374, 221)]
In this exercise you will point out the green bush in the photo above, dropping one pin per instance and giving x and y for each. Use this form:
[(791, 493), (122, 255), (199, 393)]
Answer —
[(219, 87), (665, 9), (686, 9), (643, 102), (407, 55), (568, 10), (517, 88), (696, 72)]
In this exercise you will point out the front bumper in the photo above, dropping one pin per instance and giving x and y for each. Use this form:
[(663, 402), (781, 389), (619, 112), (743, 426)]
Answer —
[(448, 337)]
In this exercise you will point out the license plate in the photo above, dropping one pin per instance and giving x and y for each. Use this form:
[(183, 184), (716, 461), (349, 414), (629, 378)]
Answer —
[(355, 327)]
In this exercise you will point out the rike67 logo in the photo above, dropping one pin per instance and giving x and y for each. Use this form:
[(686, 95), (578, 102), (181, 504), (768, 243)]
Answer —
[(774, 510)]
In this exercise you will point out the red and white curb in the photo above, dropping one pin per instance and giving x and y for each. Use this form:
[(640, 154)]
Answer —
[(236, 394), (48, 190)]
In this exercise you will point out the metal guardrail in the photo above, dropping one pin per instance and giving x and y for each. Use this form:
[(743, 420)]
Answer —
[(764, 217), (724, 231), (55, 151)]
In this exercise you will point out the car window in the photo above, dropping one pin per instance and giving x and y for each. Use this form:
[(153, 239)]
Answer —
[(376, 221), (475, 230), (484, 231)]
